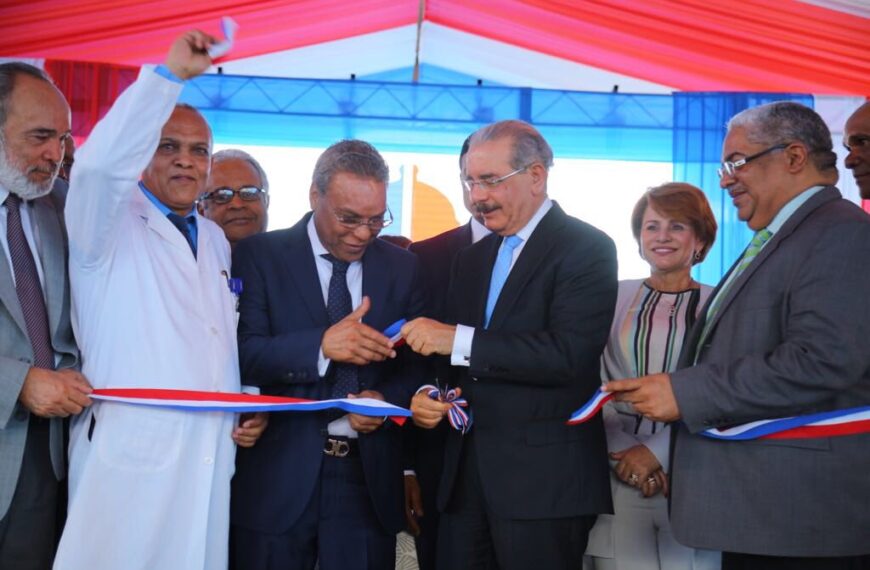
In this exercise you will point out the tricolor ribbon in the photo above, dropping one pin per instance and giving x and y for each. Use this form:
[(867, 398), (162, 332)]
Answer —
[(458, 416), (193, 400), (394, 333), (850, 421)]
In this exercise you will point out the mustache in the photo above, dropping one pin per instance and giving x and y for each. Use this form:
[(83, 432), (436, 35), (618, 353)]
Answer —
[(484, 208), (53, 169)]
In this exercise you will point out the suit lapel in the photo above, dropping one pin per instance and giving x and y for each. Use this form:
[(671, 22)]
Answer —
[(825, 195), (8, 295), (533, 254), (300, 266), (480, 256), (375, 284), (158, 223), (53, 259)]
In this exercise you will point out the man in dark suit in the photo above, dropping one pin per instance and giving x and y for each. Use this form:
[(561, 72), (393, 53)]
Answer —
[(38, 354), (532, 305), (424, 448), (325, 485), (784, 334)]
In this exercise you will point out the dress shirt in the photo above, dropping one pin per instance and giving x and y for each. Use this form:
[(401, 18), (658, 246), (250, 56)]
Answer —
[(341, 426), (165, 210), (461, 355)]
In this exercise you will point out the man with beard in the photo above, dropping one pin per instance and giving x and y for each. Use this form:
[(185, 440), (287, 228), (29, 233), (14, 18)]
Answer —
[(153, 310), (38, 383), (856, 139), (237, 195)]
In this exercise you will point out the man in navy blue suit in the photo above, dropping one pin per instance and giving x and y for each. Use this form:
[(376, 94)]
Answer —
[(315, 297)]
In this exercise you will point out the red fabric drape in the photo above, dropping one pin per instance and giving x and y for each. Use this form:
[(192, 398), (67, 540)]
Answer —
[(90, 89), (752, 45), (692, 45)]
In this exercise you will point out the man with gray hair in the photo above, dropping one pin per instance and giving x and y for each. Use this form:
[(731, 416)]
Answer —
[(38, 356), (237, 195), (528, 314), (316, 297), (784, 334)]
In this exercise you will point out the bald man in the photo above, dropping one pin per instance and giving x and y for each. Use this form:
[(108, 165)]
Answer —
[(856, 139)]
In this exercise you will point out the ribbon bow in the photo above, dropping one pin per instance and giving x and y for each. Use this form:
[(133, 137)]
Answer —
[(459, 417)]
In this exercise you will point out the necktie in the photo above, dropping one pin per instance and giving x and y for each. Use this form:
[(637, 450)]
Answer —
[(27, 286), (338, 306), (500, 272), (758, 241), (182, 225)]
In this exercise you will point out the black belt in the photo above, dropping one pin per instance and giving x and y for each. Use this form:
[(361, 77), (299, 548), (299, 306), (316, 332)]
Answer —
[(340, 446)]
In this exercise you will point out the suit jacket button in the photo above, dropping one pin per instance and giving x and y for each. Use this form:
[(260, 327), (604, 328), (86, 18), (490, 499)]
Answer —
[(289, 376)]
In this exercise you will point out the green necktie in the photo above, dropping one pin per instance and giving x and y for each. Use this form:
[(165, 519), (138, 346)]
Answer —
[(758, 241)]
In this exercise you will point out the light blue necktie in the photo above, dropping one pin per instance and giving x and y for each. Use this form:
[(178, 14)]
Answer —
[(500, 272)]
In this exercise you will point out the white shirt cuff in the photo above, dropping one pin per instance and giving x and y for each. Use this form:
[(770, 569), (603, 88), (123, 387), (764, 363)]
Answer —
[(322, 363), (461, 355)]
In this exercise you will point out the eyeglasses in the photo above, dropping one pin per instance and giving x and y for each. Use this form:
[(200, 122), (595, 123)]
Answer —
[(352, 221), (225, 195), (490, 183), (729, 168)]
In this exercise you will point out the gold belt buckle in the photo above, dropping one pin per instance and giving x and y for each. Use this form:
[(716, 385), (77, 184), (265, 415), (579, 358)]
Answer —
[(336, 448)]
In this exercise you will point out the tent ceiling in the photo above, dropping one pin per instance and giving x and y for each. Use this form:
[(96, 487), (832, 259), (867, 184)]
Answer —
[(494, 62), (754, 45)]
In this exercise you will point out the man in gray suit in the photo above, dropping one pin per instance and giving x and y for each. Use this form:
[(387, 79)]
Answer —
[(38, 385), (784, 334)]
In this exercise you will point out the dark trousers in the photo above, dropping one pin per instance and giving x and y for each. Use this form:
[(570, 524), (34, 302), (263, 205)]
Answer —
[(29, 530), (738, 561), (472, 537), (427, 541), (338, 528)]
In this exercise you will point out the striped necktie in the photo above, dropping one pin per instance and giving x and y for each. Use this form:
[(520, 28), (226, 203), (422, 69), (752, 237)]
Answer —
[(27, 286), (758, 241)]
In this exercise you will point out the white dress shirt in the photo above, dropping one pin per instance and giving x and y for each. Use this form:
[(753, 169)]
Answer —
[(341, 426)]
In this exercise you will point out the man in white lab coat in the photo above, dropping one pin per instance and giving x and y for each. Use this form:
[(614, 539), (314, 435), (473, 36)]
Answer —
[(149, 487)]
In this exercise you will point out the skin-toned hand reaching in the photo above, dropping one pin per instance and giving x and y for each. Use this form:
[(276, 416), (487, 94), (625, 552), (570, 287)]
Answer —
[(187, 56), (650, 395), (428, 336), (366, 424), (251, 427), (428, 413), (353, 342), (55, 393)]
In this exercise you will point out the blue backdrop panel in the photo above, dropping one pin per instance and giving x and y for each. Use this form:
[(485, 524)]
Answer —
[(427, 117)]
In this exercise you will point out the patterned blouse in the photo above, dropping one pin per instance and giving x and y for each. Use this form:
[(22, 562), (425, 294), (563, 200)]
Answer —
[(646, 337)]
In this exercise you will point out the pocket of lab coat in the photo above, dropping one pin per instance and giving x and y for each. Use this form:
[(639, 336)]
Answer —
[(139, 438)]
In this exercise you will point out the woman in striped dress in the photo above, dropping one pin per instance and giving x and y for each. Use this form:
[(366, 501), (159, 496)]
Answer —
[(675, 229)]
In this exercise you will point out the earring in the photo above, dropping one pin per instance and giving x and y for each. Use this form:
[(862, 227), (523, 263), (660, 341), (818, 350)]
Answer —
[(697, 256)]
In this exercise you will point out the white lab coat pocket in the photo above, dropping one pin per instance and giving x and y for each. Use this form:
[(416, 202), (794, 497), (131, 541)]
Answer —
[(139, 438)]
